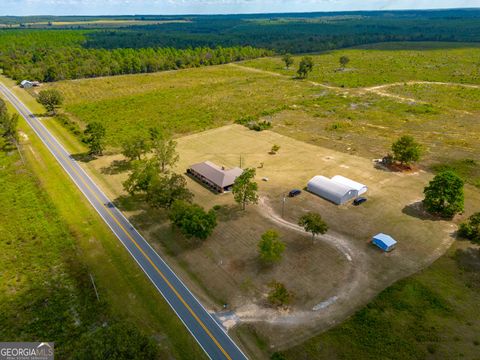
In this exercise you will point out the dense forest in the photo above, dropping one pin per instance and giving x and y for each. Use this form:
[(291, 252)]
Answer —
[(51, 53), (299, 33)]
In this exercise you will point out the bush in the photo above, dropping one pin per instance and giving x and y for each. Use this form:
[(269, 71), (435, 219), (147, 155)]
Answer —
[(117, 341), (253, 124), (68, 124), (470, 229), (279, 295), (192, 219)]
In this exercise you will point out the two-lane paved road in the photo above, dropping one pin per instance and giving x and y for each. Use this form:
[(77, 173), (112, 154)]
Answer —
[(207, 332)]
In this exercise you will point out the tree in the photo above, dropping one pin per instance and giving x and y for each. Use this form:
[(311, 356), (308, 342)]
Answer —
[(245, 188), (192, 219), (344, 60), (279, 295), (470, 229), (135, 147), (94, 136), (288, 60), (444, 195), (3, 108), (51, 99), (139, 179), (406, 150), (3, 143), (305, 67), (50, 75), (8, 127), (164, 149), (164, 189), (313, 223), (270, 247), (274, 149)]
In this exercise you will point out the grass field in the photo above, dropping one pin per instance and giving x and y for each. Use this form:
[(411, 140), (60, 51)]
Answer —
[(388, 63), (351, 125), (225, 268), (120, 283), (432, 315), (182, 101), (443, 118)]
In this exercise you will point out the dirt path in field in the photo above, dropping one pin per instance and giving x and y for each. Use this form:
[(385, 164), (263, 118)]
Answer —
[(329, 310), (377, 89)]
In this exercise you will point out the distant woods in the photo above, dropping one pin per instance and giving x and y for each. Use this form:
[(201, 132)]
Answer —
[(50, 56)]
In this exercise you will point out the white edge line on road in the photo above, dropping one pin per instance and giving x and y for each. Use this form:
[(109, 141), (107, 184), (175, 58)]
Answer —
[(13, 101)]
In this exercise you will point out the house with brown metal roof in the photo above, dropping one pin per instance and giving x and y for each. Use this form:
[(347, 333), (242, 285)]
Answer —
[(215, 177)]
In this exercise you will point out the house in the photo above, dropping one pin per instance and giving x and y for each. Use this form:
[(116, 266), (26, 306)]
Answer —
[(331, 190), (384, 242), (26, 84), (360, 188), (215, 177)]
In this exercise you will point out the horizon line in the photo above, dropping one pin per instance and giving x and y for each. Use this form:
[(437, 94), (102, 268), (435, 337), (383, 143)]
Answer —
[(252, 13)]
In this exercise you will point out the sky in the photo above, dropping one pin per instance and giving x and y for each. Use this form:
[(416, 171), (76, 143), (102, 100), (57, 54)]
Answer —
[(158, 7)]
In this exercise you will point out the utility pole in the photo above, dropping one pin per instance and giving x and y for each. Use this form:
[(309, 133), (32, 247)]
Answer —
[(284, 200)]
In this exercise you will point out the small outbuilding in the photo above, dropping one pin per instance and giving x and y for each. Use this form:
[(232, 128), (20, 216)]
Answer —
[(360, 188), (384, 242), (215, 177), (26, 84), (333, 191)]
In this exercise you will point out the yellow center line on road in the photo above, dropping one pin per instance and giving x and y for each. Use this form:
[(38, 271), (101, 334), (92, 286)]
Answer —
[(138, 246)]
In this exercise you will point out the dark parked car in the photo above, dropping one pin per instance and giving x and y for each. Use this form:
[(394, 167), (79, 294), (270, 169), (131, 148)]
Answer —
[(294, 192), (359, 201)]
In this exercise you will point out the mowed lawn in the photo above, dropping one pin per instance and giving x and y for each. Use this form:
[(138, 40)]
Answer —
[(181, 101), (386, 63)]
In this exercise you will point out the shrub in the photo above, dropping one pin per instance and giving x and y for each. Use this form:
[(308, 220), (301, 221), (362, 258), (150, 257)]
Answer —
[(470, 229), (279, 295)]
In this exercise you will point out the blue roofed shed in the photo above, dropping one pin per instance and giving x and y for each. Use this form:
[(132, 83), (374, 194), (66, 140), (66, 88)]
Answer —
[(384, 242)]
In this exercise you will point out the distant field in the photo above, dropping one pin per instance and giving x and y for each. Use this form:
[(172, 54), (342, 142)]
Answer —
[(443, 118), (367, 124), (183, 101), (387, 63), (105, 23)]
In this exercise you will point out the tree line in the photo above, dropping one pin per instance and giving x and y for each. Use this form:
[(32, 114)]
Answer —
[(31, 55), (296, 33)]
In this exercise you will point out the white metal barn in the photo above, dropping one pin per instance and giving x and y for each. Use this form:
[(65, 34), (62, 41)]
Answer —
[(329, 189), (360, 188)]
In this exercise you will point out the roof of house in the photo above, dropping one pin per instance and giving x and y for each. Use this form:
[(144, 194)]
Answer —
[(329, 185), (386, 239), (219, 176), (348, 182)]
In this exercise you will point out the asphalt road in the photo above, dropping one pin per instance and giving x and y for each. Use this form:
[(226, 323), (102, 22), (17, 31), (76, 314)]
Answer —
[(213, 339)]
